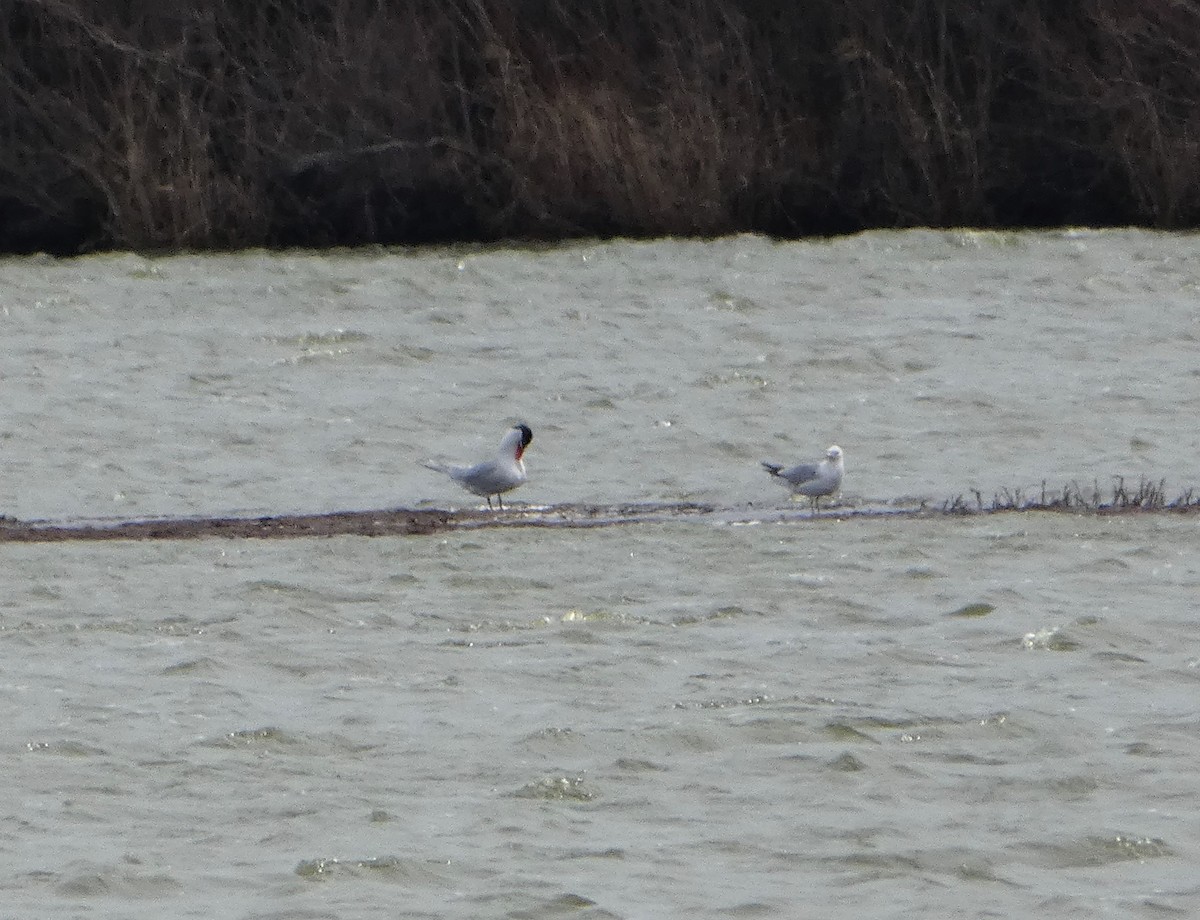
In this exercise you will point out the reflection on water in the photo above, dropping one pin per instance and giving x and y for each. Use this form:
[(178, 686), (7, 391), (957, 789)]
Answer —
[(739, 712)]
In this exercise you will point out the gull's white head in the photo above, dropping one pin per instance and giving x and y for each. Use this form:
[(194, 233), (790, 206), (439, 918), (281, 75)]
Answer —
[(834, 453)]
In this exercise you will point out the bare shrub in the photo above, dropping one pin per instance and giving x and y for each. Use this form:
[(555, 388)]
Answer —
[(325, 121)]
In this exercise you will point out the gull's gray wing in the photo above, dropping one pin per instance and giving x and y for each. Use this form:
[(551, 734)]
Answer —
[(801, 472)]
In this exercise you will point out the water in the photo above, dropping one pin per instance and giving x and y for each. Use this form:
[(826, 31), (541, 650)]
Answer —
[(978, 717)]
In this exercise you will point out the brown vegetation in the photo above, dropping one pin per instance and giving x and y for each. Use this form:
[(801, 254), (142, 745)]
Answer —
[(226, 124), (1148, 496)]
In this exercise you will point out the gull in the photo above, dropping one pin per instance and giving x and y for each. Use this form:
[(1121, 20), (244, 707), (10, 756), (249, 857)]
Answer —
[(812, 479), (501, 474)]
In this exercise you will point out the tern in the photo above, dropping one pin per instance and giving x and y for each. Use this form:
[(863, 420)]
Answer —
[(812, 479), (493, 477)]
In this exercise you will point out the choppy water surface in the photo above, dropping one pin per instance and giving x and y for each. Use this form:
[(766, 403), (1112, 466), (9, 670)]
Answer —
[(839, 718)]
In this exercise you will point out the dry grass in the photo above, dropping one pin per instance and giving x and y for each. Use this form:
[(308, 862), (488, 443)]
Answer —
[(1147, 496), (224, 124)]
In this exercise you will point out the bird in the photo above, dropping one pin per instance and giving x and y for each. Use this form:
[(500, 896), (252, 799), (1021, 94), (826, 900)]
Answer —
[(501, 474), (812, 479)]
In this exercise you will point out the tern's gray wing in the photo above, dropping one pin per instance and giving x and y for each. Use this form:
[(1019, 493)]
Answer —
[(489, 478), (476, 478), (472, 478)]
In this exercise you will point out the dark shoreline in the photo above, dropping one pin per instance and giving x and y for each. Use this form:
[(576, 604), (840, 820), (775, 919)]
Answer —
[(318, 123), (422, 522)]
